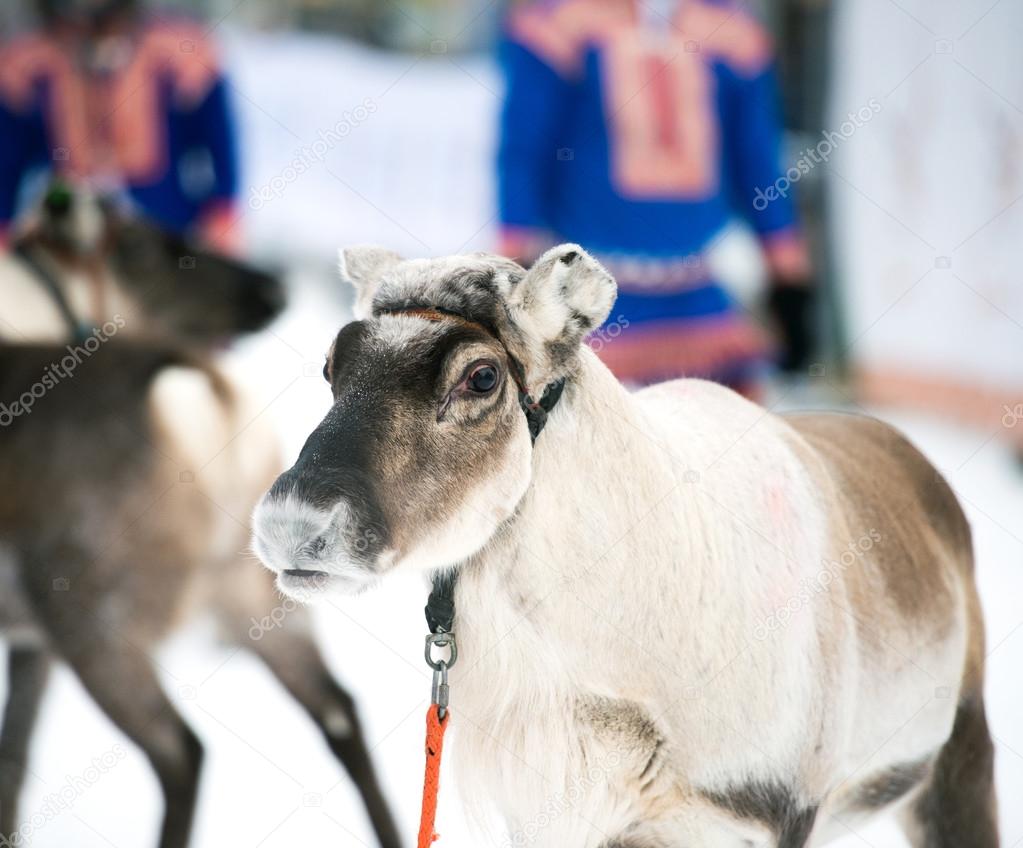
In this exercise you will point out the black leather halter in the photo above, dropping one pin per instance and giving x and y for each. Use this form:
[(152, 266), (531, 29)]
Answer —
[(440, 606), (48, 281)]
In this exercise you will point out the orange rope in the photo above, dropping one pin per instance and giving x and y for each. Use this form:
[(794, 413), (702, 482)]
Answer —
[(435, 727)]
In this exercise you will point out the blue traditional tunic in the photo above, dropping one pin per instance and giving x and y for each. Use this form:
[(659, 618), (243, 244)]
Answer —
[(152, 121), (640, 139)]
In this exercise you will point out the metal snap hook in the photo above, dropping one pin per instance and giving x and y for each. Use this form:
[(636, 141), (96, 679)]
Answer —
[(439, 692)]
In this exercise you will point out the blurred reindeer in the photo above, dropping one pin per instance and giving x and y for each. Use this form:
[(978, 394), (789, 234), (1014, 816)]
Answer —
[(116, 525)]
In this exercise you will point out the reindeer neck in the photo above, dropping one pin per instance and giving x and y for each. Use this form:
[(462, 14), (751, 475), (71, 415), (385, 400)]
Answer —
[(596, 438), (526, 604)]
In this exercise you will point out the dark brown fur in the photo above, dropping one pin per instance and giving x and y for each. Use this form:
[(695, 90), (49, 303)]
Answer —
[(920, 512), (772, 805), (922, 575), (958, 807), (897, 781)]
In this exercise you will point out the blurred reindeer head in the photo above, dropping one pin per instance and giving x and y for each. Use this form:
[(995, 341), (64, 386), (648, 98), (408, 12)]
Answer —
[(169, 288)]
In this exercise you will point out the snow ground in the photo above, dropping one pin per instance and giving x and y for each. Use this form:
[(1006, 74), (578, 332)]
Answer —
[(269, 781)]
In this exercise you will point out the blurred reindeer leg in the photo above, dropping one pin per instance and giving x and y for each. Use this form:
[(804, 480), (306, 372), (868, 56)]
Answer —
[(121, 680), (102, 630), (27, 672), (295, 660)]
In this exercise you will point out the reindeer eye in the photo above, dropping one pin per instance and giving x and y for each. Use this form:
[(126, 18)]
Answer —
[(482, 379), (326, 370)]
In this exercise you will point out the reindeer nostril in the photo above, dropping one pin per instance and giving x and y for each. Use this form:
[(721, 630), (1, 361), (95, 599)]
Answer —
[(318, 545), (570, 257)]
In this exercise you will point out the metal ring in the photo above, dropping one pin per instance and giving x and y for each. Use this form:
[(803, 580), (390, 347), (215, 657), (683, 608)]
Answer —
[(441, 640)]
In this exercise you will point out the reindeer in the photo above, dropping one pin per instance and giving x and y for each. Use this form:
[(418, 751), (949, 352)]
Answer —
[(118, 515), (681, 619)]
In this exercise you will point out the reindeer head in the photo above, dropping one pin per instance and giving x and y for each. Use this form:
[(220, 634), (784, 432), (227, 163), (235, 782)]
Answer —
[(426, 450), (172, 289)]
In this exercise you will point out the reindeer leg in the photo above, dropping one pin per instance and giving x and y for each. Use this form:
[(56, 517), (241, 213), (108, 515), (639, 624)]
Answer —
[(121, 680), (103, 630), (957, 807), (27, 673), (294, 659)]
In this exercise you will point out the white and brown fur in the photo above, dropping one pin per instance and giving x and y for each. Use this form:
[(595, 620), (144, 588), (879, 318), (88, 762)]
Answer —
[(612, 578), (122, 491)]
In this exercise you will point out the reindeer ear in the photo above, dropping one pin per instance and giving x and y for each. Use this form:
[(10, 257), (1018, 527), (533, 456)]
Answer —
[(563, 297), (363, 266)]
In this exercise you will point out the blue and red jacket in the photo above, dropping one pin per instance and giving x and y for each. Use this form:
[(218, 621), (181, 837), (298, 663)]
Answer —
[(641, 136), (635, 141), (157, 125)]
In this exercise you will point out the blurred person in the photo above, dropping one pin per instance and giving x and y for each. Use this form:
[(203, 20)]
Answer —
[(112, 96), (639, 128)]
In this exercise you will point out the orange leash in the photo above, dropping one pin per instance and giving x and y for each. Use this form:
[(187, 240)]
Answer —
[(440, 613), (435, 727)]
